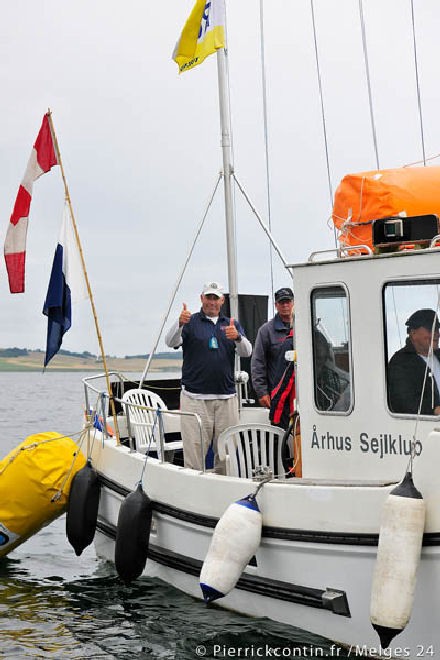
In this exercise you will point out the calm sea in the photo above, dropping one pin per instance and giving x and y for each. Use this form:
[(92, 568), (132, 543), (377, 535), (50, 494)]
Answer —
[(56, 605)]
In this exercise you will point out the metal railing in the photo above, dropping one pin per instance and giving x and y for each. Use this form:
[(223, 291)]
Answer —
[(101, 407), (343, 251), (159, 413)]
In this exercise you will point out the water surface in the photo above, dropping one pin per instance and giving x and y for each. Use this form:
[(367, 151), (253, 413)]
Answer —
[(56, 605)]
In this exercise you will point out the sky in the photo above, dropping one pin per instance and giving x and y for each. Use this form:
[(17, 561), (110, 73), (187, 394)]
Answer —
[(140, 144)]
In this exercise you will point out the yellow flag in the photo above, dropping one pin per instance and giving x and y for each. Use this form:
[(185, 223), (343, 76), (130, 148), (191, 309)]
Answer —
[(203, 34)]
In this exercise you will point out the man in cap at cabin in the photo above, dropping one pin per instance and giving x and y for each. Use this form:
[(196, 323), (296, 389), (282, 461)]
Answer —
[(209, 341), (270, 338), (414, 370)]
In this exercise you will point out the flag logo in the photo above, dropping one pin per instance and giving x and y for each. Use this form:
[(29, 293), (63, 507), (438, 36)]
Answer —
[(202, 35)]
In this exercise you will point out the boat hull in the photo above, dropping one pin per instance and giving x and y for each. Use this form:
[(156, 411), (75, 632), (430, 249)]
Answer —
[(315, 563)]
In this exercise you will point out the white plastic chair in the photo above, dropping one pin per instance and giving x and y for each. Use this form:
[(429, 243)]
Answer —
[(246, 447), (144, 423)]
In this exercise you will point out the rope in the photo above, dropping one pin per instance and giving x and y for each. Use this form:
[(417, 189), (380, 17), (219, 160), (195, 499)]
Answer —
[(413, 440), (163, 389), (361, 191), (157, 419), (419, 102), (33, 446), (58, 494), (265, 480), (345, 232), (295, 453), (430, 356), (93, 413), (179, 280), (324, 126), (396, 316), (266, 144), (367, 73)]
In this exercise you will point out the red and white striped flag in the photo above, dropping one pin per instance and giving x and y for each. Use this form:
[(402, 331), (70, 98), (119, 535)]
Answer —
[(42, 159)]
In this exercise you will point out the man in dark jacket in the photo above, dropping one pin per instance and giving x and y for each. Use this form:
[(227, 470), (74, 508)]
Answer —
[(282, 396), (414, 370), (210, 342), (268, 343)]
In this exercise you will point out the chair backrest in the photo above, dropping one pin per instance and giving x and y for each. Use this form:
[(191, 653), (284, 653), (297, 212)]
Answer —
[(144, 423), (246, 447)]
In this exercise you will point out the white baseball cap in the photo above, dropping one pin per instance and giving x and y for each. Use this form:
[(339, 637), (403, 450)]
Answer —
[(212, 288)]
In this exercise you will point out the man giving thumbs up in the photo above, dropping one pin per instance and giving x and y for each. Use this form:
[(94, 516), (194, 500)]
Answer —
[(209, 341)]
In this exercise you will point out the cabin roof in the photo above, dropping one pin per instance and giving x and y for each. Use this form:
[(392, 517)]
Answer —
[(314, 259)]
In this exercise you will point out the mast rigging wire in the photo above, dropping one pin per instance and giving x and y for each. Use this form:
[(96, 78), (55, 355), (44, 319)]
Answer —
[(262, 225), (321, 98), (266, 145), (324, 125), (179, 280), (367, 73), (424, 160), (416, 68)]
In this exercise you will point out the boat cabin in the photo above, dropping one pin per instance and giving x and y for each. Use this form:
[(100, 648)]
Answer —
[(350, 316)]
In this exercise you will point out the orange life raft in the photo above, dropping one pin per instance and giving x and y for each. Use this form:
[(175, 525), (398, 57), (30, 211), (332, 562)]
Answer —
[(367, 196)]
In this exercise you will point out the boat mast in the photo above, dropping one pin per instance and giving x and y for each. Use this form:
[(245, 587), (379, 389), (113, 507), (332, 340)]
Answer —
[(228, 171)]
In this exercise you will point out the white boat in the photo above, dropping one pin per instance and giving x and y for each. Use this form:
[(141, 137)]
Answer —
[(315, 563), (314, 566)]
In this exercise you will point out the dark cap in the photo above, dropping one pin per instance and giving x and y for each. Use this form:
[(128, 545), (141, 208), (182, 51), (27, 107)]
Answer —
[(423, 318), (283, 294)]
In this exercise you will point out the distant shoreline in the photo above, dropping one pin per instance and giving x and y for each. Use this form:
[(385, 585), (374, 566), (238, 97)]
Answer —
[(34, 362)]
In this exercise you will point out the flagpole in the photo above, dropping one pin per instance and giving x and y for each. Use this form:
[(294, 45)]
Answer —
[(83, 264), (228, 173)]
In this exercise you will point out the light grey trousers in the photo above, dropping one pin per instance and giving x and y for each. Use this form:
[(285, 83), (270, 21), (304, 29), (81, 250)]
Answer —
[(216, 416)]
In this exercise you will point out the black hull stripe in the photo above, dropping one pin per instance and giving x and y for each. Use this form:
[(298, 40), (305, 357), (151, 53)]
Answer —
[(263, 586), (282, 533)]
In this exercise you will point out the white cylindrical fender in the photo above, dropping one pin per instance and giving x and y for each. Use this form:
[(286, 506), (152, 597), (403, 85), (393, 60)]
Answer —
[(398, 556), (235, 540)]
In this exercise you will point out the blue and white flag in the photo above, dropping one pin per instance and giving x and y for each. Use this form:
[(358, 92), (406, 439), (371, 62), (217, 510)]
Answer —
[(66, 285)]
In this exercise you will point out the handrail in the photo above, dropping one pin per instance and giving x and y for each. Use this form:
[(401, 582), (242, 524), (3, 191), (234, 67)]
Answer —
[(341, 250), (88, 386), (166, 411), (102, 375), (103, 394), (434, 241)]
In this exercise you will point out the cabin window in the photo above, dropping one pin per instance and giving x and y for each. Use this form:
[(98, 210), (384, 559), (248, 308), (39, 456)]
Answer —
[(331, 349), (411, 348)]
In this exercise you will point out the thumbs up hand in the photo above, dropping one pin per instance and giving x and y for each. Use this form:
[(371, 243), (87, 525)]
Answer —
[(185, 316), (231, 331)]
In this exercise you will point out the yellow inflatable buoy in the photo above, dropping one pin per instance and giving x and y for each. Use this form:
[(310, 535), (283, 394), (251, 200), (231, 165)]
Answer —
[(35, 480)]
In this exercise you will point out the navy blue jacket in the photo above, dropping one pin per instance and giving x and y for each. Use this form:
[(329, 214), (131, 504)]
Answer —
[(208, 370), (270, 338)]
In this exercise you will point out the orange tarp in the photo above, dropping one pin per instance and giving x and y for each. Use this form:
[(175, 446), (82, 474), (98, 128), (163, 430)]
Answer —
[(366, 196)]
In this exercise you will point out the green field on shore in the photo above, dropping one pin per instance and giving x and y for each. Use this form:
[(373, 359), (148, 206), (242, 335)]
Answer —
[(33, 361)]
